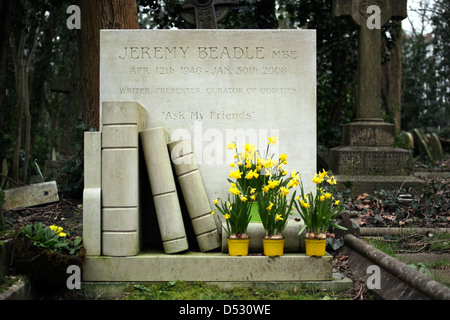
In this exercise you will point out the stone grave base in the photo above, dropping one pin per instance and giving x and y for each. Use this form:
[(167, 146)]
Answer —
[(152, 266), (368, 184)]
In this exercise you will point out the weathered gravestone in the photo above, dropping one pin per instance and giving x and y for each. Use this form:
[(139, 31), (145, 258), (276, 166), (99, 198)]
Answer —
[(205, 14), (367, 156)]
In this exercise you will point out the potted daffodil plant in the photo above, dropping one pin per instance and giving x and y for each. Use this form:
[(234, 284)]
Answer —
[(274, 206), (318, 213), (236, 212)]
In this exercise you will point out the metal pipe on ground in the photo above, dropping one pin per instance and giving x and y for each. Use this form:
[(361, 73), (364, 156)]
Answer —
[(398, 281)]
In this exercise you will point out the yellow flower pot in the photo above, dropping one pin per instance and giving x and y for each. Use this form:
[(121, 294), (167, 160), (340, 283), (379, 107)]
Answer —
[(273, 247), (238, 247), (315, 247)]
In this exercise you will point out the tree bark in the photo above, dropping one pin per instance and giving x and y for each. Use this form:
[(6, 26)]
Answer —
[(96, 15), (5, 26)]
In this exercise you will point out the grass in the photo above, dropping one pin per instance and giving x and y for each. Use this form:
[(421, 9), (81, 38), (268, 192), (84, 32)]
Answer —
[(394, 246), (180, 290)]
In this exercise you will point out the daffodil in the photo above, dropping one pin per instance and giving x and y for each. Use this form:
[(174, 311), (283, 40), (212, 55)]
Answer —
[(243, 199), (270, 206), (284, 191), (227, 216), (252, 190), (235, 174), (327, 195), (332, 180), (272, 140), (212, 212), (336, 203), (235, 191), (317, 179), (283, 157), (216, 201), (231, 146), (278, 217)]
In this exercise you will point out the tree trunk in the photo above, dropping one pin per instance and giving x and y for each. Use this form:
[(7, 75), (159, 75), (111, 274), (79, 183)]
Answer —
[(96, 15), (5, 26)]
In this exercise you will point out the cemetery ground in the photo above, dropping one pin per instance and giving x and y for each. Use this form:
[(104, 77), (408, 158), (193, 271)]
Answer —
[(425, 248)]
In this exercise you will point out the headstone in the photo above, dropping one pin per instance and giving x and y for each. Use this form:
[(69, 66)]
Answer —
[(218, 86), (206, 13), (422, 145), (368, 144), (435, 147), (31, 195)]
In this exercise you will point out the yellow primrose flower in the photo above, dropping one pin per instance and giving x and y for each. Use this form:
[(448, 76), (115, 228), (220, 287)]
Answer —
[(62, 234), (227, 216), (56, 229), (231, 146), (272, 140)]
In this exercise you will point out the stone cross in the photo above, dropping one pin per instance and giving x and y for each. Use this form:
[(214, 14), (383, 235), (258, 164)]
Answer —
[(368, 99), (206, 15)]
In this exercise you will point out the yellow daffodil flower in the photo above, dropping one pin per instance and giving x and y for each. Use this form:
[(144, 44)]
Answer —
[(227, 216), (235, 174), (283, 157), (243, 199), (336, 203), (284, 191), (235, 191), (278, 217), (270, 206), (231, 146), (332, 180), (327, 195), (216, 201), (212, 212), (272, 140)]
